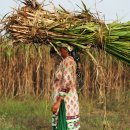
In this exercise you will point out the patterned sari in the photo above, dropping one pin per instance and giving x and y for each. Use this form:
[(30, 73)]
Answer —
[(64, 84)]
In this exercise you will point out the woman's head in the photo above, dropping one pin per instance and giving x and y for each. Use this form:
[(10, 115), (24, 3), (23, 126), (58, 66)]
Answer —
[(65, 50)]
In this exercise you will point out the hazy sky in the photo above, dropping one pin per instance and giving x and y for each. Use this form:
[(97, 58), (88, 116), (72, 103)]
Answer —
[(111, 9)]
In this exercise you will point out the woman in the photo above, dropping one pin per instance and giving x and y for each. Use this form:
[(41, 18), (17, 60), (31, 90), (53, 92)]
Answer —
[(64, 86)]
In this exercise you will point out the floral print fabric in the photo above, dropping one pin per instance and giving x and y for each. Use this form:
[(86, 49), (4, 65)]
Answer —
[(64, 84)]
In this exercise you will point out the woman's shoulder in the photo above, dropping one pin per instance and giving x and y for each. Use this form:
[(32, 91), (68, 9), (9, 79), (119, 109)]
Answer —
[(69, 61), (69, 58)]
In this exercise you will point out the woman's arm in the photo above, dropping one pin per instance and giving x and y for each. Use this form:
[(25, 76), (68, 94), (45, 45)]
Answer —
[(56, 106)]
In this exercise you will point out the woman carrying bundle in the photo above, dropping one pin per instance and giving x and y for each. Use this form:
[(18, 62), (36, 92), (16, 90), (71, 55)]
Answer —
[(65, 106)]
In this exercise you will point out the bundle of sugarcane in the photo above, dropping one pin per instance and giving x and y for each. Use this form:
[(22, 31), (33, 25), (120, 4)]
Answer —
[(118, 41), (33, 24)]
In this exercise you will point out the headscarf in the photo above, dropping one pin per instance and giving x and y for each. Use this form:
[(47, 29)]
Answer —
[(68, 47)]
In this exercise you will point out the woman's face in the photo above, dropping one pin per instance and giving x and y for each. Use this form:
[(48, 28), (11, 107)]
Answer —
[(63, 52)]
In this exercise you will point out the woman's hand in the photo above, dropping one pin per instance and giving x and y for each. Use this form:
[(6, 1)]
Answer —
[(56, 106)]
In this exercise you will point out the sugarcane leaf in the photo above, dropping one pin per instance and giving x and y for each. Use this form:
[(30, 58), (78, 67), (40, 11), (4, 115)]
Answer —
[(85, 8)]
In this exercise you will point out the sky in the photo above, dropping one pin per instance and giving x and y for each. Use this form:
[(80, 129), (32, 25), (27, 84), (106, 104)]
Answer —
[(109, 10)]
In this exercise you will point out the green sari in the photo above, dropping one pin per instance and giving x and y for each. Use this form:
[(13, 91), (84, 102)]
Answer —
[(62, 124)]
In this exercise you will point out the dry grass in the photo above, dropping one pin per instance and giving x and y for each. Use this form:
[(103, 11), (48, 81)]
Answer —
[(26, 69)]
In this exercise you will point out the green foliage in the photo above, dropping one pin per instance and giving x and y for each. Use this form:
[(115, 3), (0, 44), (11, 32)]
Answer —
[(15, 114), (31, 113)]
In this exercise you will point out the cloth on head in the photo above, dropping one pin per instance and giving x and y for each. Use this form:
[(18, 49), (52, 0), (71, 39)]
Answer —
[(68, 47)]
